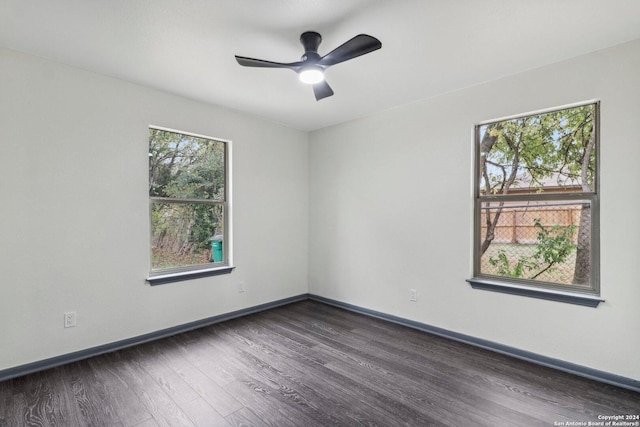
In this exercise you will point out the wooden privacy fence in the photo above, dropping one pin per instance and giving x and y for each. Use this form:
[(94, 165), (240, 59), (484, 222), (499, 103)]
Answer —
[(517, 225)]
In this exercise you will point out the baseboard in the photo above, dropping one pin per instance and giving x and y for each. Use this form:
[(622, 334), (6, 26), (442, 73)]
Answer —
[(53, 362), (561, 365)]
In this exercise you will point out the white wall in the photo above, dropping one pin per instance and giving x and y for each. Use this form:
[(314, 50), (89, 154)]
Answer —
[(74, 226), (387, 201), (391, 209)]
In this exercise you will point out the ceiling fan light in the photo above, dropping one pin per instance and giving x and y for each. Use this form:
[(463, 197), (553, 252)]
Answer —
[(311, 75)]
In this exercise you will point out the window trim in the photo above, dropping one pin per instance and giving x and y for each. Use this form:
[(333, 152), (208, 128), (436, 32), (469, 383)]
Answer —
[(161, 279), (587, 300), (170, 275), (525, 287)]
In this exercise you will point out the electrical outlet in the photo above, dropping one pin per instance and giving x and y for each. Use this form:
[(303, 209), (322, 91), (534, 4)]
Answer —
[(241, 287), (413, 295), (70, 319)]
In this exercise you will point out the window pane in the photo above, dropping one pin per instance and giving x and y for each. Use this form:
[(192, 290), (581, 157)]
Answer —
[(186, 234), (551, 152), (185, 167), (542, 241)]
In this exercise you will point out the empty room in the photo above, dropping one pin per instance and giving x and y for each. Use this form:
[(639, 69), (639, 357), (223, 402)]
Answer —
[(319, 212)]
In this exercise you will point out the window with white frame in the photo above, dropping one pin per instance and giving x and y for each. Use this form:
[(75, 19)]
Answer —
[(189, 205), (536, 202)]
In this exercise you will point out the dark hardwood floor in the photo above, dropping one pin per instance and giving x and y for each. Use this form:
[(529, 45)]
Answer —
[(306, 364)]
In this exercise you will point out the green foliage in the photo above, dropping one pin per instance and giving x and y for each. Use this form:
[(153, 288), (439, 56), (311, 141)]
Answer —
[(533, 154), (553, 247), (185, 168), (536, 148), (505, 268)]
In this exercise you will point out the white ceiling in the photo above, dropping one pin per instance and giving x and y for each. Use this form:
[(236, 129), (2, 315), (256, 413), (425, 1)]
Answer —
[(429, 47)]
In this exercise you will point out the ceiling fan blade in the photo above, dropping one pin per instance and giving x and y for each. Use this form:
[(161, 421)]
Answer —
[(357, 46), (252, 62), (322, 90)]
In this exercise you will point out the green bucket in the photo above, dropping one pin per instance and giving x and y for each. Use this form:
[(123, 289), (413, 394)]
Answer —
[(216, 249)]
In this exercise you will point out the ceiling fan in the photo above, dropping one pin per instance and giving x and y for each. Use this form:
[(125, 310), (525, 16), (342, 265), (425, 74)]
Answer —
[(311, 66)]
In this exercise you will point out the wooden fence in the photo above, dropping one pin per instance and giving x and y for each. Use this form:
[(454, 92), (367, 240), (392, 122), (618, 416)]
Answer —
[(517, 225)]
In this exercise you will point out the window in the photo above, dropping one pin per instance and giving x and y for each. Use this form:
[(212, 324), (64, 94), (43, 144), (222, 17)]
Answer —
[(536, 205), (189, 205)]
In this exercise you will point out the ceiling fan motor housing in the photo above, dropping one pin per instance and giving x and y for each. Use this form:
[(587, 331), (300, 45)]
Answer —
[(310, 41)]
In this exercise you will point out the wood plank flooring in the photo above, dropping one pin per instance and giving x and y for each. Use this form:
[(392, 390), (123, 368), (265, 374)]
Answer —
[(306, 364)]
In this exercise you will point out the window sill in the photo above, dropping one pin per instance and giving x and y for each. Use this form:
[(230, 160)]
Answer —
[(547, 294), (161, 279)]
